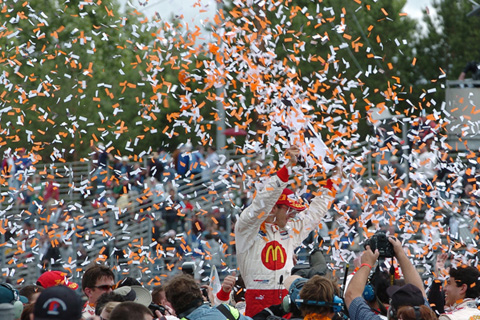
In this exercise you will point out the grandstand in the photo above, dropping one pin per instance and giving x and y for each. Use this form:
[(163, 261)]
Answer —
[(97, 234)]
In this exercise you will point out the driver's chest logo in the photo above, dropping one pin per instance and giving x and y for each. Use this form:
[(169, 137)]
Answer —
[(274, 256)]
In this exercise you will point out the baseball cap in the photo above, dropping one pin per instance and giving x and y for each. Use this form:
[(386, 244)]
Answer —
[(8, 294), (55, 278), (407, 295), (11, 302), (128, 281), (289, 199), (58, 303)]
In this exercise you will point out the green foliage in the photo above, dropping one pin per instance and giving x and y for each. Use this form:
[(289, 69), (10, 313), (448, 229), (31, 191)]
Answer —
[(450, 41), (74, 73), (344, 57)]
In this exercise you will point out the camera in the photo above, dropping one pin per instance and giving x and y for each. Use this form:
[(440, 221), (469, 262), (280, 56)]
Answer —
[(154, 307), (380, 241), (205, 292)]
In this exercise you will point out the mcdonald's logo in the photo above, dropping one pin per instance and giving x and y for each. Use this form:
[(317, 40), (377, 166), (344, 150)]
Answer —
[(274, 256)]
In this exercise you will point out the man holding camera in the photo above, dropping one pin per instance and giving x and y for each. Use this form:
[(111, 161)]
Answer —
[(186, 297), (411, 294), (268, 231)]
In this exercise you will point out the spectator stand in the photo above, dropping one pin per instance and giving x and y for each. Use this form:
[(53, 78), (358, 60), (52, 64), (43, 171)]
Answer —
[(122, 237)]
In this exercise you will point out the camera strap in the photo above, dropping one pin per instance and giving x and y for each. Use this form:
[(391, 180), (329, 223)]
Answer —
[(392, 273), (226, 312)]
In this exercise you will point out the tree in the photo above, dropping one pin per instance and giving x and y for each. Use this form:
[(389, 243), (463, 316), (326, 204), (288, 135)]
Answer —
[(74, 74), (342, 58), (449, 43)]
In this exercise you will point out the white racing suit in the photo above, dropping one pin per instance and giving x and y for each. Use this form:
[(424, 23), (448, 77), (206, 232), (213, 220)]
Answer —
[(466, 310), (265, 252)]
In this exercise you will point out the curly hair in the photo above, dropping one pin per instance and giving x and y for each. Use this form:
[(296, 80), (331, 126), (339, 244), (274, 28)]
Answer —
[(318, 288), (467, 275), (183, 293)]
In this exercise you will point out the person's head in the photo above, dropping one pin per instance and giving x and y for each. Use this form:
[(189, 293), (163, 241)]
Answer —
[(107, 310), (97, 280), (31, 292), (183, 293), (211, 149), (416, 313), (131, 311), (58, 303), (286, 207), (318, 295), (54, 278), (105, 298), (406, 295), (159, 297), (463, 283), (11, 302), (380, 282)]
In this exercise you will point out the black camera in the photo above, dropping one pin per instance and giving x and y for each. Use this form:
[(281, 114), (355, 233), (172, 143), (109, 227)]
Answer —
[(205, 292), (154, 307), (380, 241)]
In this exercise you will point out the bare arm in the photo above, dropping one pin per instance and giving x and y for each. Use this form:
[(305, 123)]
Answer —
[(408, 269), (357, 284)]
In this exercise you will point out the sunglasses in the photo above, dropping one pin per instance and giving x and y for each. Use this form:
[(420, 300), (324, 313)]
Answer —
[(105, 287)]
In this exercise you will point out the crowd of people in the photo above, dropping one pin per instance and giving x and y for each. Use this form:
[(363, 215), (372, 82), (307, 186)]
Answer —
[(269, 283)]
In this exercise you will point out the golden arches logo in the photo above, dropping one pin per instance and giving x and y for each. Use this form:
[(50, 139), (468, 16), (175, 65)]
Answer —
[(274, 252), (274, 256)]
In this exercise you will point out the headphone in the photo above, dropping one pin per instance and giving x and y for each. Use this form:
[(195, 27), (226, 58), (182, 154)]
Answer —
[(369, 292), (294, 296), (17, 304), (392, 313), (336, 304), (418, 316)]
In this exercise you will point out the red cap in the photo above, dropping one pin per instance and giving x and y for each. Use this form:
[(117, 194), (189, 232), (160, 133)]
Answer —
[(55, 278), (289, 199)]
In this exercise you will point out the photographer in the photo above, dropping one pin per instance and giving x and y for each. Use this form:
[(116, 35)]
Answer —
[(411, 294), (268, 231), (187, 300), (315, 298)]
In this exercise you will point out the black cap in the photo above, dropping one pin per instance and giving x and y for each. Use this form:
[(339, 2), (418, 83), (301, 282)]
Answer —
[(407, 295), (58, 303), (128, 281)]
